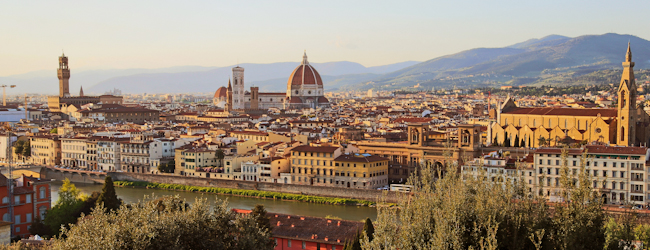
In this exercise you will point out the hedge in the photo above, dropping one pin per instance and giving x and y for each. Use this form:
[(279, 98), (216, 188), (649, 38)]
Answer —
[(243, 192)]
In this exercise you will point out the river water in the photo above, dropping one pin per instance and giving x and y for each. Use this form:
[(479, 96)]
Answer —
[(130, 195)]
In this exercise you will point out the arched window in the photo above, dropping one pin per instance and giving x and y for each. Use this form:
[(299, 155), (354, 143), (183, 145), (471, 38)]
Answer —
[(5, 217), (41, 211)]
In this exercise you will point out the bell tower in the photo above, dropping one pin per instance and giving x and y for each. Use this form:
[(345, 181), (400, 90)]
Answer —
[(238, 88), (63, 73), (626, 129)]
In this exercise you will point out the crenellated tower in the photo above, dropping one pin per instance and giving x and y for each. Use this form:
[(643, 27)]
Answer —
[(63, 73)]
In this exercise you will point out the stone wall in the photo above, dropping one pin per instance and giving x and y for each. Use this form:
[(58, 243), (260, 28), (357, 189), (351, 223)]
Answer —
[(363, 194)]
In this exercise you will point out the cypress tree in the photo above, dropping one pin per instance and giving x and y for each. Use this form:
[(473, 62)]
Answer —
[(259, 213), (369, 229), (108, 196), (516, 141)]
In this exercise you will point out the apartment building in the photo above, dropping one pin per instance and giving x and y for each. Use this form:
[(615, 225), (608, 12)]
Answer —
[(31, 199), (310, 165), (73, 152), (46, 150), (618, 173), (266, 170), (359, 171), (108, 153)]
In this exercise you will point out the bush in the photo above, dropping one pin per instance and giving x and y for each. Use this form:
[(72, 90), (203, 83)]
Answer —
[(242, 192)]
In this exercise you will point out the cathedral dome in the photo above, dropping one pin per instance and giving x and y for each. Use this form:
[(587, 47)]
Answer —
[(304, 74), (221, 92)]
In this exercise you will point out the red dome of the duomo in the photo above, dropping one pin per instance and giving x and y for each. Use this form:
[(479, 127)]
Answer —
[(221, 92), (304, 74)]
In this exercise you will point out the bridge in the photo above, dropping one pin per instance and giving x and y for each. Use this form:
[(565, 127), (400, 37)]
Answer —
[(79, 176)]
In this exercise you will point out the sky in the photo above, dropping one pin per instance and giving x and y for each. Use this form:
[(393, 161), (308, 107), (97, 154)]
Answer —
[(156, 34)]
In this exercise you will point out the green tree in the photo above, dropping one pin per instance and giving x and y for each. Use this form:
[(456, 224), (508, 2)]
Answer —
[(354, 243), (27, 149), (506, 141), (369, 229), (152, 225), (108, 196), (516, 141), (642, 233), (168, 167), (64, 212), (263, 220), (219, 155), (541, 141), (38, 227), (18, 147), (523, 143)]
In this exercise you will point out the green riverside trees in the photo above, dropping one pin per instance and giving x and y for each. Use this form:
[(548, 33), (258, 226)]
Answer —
[(108, 197)]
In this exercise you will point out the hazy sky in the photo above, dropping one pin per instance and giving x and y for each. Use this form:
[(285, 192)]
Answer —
[(154, 34)]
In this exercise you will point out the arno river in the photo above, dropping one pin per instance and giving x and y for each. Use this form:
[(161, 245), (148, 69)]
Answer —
[(131, 195)]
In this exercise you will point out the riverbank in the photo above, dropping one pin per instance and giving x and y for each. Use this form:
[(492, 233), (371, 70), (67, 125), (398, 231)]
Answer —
[(247, 193)]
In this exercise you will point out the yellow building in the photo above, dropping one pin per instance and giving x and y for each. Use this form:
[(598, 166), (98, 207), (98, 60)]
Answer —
[(327, 166), (535, 127), (46, 150)]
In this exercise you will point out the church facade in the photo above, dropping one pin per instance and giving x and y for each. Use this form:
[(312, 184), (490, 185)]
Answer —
[(304, 90), (626, 125)]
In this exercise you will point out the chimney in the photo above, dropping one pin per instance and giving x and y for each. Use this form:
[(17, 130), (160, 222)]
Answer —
[(302, 218), (329, 221), (276, 216), (338, 224), (279, 223), (292, 225), (289, 217), (326, 238), (338, 240)]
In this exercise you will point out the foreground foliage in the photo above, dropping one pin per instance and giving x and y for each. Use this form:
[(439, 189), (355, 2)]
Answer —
[(166, 224), (241, 192), (462, 211)]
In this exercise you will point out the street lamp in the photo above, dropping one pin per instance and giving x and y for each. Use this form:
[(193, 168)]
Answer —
[(4, 94)]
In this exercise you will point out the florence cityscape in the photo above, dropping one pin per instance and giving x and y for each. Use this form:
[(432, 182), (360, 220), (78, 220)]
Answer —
[(325, 125)]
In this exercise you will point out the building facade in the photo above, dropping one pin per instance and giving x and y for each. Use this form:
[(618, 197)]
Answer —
[(623, 126)]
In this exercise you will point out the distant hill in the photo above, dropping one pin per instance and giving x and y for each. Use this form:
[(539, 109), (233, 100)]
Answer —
[(521, 63), (185, 79)]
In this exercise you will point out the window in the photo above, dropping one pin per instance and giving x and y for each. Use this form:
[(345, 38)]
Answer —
[(17, 219), (6, 217), (304, 244), (28, 218), (28, 198), (17, 199), (288, 243), (5, 200)]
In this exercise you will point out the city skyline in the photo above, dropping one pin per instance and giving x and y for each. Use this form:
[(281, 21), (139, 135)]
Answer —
[(131, 35)]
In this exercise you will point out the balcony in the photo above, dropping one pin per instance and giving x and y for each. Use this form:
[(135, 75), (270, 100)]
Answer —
[(636, 191), (637, 179)]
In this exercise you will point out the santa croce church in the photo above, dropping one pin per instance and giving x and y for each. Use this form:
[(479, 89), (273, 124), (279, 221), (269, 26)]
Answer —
[(626, 125)]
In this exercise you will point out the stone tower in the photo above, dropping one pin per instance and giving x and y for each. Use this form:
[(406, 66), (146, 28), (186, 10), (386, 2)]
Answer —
[(238, 87), (63, 73), (626, 129), (229, 98), (255, 97)]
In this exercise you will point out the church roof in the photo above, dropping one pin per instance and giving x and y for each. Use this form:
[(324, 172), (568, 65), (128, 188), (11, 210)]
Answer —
[(304, 74), (221, 92), (563, 111)]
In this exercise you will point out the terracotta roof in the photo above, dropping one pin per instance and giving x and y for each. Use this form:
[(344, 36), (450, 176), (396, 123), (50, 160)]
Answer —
[(221, 92), (563, 111), (305, 148), (360, 158), (313, 229), (616, 150), (304, 74)]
